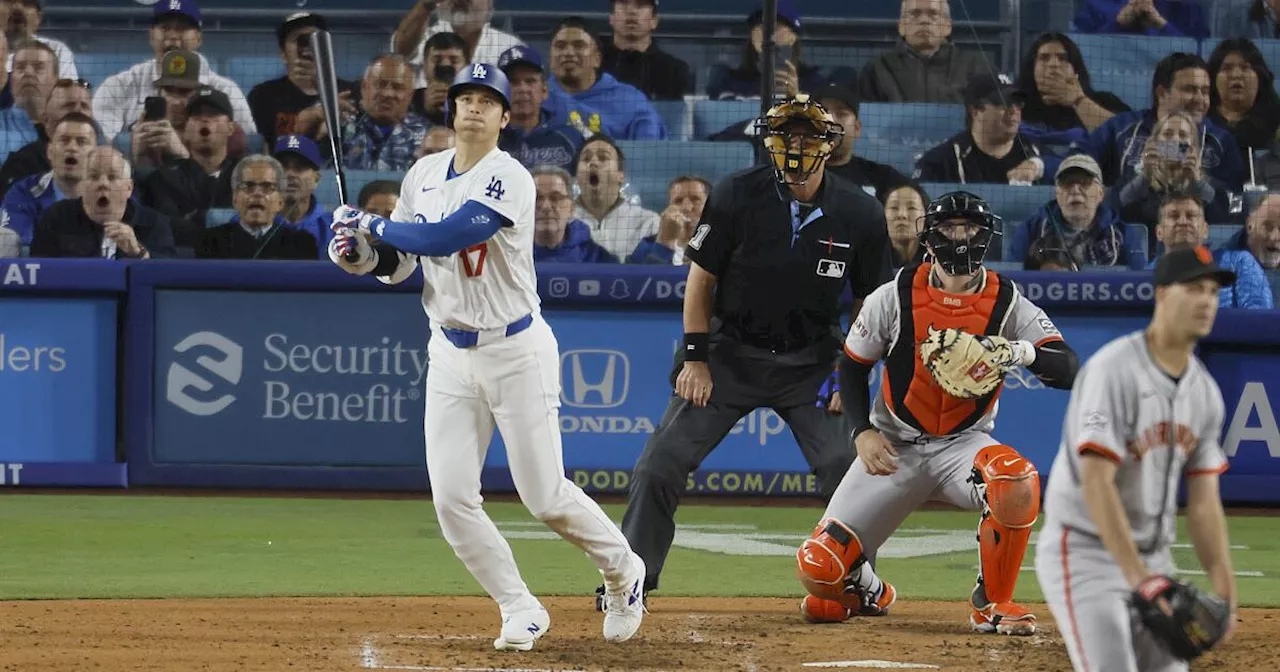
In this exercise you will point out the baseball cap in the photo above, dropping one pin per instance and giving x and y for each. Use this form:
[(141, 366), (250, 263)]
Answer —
[(1080, 162), (786, 12), (1189, 264), (185, 8), (300, 145), (997, 90), (837, 92), (180, 68), (300, 20), (209, 97), (521, 55)]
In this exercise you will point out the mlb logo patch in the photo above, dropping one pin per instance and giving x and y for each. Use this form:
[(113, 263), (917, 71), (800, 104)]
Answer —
[(830, 268)]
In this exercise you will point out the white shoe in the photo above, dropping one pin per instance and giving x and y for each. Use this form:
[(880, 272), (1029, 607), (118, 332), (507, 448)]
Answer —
[(624, 607), (521, 629)]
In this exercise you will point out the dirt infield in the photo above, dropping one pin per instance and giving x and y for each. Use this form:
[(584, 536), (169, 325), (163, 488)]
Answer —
[(456, 634)]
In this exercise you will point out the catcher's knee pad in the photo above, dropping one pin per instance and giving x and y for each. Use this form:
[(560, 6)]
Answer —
[(1010, 487), (827, 558)]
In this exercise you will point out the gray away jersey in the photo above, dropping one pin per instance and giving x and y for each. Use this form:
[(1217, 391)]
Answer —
[(1126, 409)]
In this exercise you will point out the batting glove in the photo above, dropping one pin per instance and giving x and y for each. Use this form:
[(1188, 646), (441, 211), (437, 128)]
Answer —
[(347, 217), (356, 244)]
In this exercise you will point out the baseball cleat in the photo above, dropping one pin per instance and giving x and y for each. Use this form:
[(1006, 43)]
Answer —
[(600, 598), (521, 629), (817, 610), (624, 606), (1005, 618), (880, 605)]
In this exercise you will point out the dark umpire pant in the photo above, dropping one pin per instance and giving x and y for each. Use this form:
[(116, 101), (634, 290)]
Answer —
[(743, 378)]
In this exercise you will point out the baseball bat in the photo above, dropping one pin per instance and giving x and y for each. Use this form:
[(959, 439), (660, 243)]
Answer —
[(327, 87)]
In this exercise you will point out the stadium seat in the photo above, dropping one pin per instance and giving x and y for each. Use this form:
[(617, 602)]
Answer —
[(921, 124), (1013, 204), (678, 116), (1270, 50), (248, 71), (1219, 234), (327, 190), (1273, 277), (1140, 232), (663, 161), (96, 67), (1123, 64), (218, 216), (712, 116), (899, 155)]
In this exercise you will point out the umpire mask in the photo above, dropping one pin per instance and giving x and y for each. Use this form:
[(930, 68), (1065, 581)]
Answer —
[(958, 228), (799, 135)]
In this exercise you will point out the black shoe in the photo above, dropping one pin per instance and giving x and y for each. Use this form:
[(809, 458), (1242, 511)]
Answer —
[(644, 598)]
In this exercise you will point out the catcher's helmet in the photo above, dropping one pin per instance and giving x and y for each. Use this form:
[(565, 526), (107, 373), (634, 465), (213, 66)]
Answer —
[(959, 255), (478, 75), (799, 135)]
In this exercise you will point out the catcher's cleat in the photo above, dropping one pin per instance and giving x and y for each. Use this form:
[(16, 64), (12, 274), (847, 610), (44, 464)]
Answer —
[(879, 606), (817, 610), (600, 598), (1005, 618)]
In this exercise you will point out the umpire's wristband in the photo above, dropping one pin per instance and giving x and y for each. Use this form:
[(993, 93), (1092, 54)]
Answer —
[(695, 347)]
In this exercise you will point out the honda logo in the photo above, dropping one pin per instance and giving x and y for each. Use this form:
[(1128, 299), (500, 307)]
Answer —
[(594, 378), (182, 380)]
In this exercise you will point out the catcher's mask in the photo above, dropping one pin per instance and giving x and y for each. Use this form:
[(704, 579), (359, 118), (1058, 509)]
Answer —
[(958, 250), (799, 135)]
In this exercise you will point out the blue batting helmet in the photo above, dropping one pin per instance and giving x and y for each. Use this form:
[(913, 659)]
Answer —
[(483, 75)]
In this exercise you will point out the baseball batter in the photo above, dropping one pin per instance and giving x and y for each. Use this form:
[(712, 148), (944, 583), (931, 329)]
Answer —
[(466, 216), (1143, 414), (948, 330)]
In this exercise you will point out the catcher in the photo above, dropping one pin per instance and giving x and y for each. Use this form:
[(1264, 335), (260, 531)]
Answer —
[(1144, 414), (948, 330)]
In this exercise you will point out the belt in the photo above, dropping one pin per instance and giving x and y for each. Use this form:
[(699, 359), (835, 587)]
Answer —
[(470, 339)]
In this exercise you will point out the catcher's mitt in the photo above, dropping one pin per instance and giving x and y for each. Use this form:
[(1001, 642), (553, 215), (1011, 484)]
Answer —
[(966, 366), (1198, 619)]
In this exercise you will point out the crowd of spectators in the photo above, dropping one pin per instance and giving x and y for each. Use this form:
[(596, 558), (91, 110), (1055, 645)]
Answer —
[(1203, 153)]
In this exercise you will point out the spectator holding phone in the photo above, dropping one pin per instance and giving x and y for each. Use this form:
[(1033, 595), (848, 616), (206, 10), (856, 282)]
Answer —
[(790, 76), (158, 134), (442, 57), (1171, 163), (276, 102)]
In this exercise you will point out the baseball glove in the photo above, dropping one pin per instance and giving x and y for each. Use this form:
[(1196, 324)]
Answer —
[(966, 366), (1197, 620)]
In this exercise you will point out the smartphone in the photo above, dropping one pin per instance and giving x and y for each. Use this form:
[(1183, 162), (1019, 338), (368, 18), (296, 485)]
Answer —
[(154, 108), (1173, 150), (784, 54), (445, 73), (303, 43)]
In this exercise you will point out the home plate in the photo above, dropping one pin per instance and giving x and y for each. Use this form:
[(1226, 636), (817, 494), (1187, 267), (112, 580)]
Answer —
[(874, 665)]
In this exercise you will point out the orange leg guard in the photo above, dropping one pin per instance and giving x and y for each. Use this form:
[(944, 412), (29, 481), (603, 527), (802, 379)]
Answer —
[(827, 559), (1009, 486)]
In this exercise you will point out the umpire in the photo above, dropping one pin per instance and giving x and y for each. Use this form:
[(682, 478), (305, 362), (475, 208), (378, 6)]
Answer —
[(779, 242)]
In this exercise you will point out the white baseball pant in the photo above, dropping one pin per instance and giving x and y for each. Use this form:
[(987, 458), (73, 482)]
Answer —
[(513, 381)]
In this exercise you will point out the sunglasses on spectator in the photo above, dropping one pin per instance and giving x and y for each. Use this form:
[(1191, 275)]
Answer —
[(63, 83)]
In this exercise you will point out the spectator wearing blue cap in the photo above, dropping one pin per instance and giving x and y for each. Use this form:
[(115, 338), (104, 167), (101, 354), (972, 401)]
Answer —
[(791, 76), (925, 67), (175, 25), (72, 140), (533, 137), (469, 19), (1170, 18), (276, 102), (21, 20), (575, 63), (300, 158), (633, 56)]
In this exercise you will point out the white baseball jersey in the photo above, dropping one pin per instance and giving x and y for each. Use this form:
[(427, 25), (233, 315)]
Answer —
[(488, 285), (875, 334), (1125, 408)]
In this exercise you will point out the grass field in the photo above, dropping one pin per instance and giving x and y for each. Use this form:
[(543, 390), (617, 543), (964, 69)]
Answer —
[(107, 546)]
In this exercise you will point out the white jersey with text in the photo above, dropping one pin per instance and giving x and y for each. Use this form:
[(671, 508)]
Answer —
[(488, 285)]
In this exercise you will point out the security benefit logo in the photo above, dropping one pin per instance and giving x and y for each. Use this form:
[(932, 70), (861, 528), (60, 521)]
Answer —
[(287, 379)]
